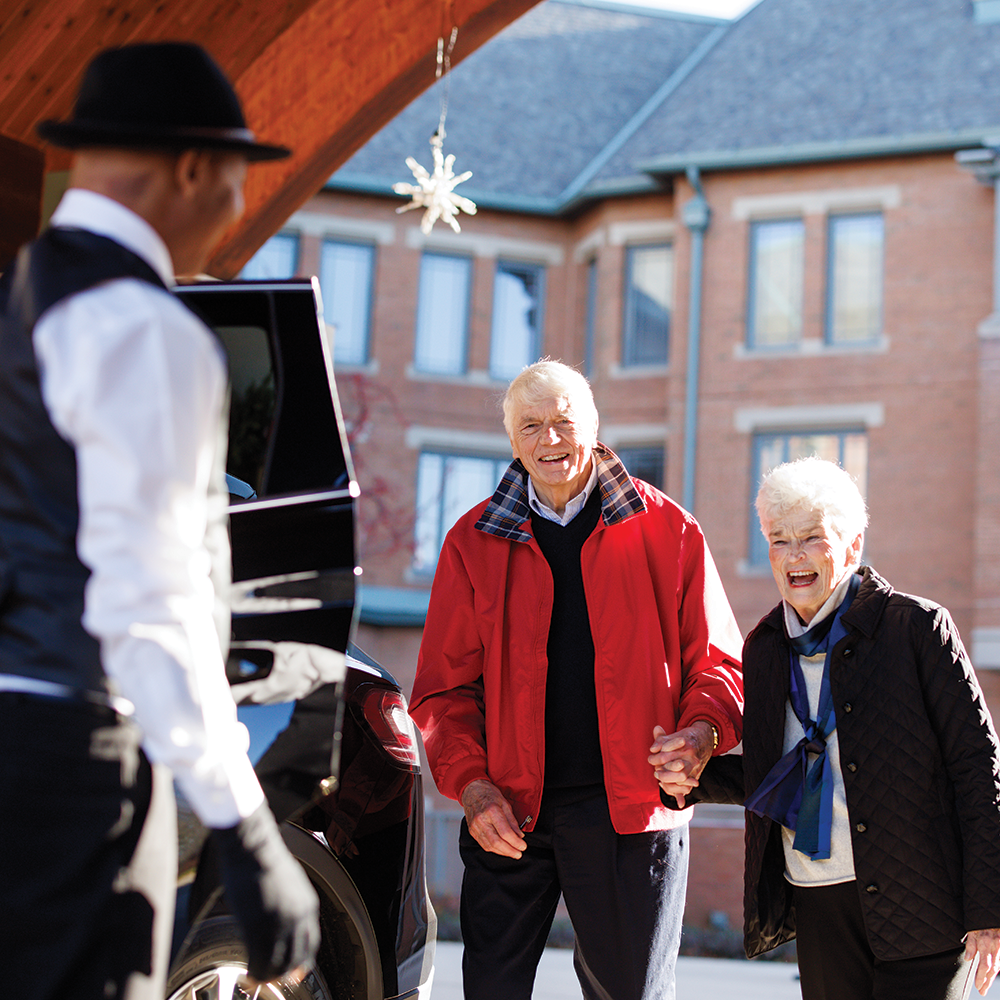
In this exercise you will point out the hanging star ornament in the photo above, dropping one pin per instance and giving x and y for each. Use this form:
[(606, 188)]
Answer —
[(435, 192)]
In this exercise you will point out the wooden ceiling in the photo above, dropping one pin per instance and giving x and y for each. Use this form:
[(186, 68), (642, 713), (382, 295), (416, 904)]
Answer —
[(320, 76)]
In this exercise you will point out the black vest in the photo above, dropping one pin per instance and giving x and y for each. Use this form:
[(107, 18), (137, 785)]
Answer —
[(41, 577)]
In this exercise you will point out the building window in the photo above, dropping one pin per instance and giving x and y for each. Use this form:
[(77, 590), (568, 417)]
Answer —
[(443, 314), (649, 282), (774, 309), (517, 318), (854, 287), (590, 330), (345, 276), (645, 462), (277, 258), (848, 448), (447, 487)]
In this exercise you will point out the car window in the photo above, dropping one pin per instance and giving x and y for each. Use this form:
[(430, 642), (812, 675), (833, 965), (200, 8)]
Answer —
[(286, 433), (252, 407)]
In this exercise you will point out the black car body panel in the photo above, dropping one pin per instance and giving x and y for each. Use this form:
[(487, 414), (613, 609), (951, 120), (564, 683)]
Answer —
[(340, 768)]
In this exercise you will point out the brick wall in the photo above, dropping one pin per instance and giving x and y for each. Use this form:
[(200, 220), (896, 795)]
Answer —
[(928, 390)]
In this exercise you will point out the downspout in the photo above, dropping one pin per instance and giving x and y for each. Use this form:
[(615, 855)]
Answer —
[(696, 215)]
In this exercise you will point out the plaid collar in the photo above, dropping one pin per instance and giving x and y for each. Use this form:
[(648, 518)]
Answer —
[(508, 507)]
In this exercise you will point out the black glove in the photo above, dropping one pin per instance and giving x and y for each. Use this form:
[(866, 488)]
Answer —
[(270, 896)]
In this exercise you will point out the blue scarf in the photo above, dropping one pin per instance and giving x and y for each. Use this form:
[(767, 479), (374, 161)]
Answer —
[(793, 793)]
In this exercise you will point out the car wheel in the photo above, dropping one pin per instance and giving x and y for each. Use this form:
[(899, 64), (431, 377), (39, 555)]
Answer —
[(213, 966)]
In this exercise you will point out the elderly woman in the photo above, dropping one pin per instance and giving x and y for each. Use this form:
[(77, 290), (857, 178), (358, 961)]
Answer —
[(870, 767)]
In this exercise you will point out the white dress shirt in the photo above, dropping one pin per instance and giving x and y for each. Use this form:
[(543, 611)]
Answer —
[(573, 507), (136, 384)]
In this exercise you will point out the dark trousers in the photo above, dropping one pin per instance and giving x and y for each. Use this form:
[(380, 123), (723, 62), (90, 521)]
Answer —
[(88, 855), (837, 963), (624, 894)]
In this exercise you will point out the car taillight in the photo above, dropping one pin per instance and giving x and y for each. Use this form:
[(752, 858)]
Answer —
[(385, 712)]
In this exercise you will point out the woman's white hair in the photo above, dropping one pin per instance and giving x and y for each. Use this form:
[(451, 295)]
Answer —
[(816, 485), (546, 380)]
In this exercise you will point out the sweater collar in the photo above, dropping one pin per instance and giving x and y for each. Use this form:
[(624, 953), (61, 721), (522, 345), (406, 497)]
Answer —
[(508, 510)]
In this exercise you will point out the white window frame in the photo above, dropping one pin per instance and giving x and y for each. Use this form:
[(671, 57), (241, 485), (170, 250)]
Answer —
[(504, 367), (257, 260), (435, 510), (836, 282), (628, 359), (433, 317), (355, 333)]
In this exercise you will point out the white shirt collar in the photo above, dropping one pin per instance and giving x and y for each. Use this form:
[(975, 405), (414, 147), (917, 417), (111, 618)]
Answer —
[(82, 209), (830, 605), (573, 507)]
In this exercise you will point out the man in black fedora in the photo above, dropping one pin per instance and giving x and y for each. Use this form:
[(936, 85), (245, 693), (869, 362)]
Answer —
[(114, 552)]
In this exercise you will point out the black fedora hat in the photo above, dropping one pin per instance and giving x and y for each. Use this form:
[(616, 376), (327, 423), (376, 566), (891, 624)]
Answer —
[(157, 95)]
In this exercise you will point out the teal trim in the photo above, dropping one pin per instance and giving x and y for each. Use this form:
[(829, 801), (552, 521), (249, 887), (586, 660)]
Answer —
[(343, 180), (647, 182), (502, 201), (697, 214), (618, 187), (392, 606), (849, 149)]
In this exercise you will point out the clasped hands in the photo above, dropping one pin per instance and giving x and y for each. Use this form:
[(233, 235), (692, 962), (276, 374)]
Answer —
[(679, 758)]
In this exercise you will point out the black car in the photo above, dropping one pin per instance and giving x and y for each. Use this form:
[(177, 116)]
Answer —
[(333, 745)]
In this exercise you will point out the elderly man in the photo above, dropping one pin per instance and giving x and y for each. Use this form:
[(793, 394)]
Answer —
[(870, 767), (113, 547), (570, 612)]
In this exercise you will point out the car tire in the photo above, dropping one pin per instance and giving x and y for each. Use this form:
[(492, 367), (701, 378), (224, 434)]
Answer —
[(214, 964)]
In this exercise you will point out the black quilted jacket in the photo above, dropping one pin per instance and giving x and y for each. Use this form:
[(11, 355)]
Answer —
[(921, 769)]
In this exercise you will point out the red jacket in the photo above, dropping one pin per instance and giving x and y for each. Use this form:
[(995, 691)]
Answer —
[(667, 648)]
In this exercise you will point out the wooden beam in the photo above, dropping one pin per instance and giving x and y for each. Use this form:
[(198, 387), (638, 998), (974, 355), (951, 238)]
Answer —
[(23, 170), (321, 76), (331, 82)]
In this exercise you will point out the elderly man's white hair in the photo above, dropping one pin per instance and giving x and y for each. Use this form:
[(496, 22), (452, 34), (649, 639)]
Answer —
[(813, 484), (546, 380)]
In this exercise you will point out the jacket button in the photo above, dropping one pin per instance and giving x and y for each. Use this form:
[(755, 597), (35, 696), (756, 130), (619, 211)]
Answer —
[(852, 767), (848, 707), (848, 652), (861, 828), (871, 888)]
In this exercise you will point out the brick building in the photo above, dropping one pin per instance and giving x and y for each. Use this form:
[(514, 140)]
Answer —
[(760, 238)]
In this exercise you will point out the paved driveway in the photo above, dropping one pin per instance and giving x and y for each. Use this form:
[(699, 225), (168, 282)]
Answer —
[(697, 978)]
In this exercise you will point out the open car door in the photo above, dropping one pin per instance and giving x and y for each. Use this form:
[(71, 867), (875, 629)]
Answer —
[(292, 510)]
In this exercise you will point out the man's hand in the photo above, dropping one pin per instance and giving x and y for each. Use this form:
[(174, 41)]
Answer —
[(491, 820), (270, 896), (678, 759), (985, 944)]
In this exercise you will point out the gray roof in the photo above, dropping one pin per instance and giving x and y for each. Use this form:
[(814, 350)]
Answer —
[(580, 99), (531, 109), (807, 79)]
